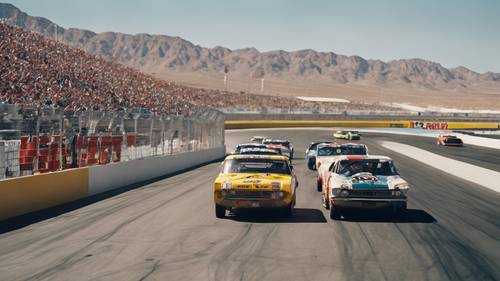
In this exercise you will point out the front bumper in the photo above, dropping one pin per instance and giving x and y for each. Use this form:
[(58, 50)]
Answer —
[(349, 202), (252, 203)]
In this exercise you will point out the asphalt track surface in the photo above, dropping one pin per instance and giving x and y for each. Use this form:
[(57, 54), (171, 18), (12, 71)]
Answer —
[(166, 230)]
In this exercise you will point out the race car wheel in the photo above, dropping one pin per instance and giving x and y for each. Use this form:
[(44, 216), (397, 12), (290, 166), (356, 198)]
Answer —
[(326, 202), (287, 211), (335, 213), (310, 166), (319, 185), (220, 211)]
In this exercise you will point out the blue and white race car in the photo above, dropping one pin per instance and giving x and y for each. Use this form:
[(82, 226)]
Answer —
[(369, 181)]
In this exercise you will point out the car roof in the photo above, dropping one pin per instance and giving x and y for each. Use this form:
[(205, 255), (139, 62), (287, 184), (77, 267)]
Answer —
[(258, 149), (277, 146), (339, 144), (318, 142), (270, 157), (277, 140), (251, 144), (356, 157)]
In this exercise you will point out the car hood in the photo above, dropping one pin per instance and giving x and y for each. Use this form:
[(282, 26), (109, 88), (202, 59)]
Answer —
[(368, 181), (246, 180)]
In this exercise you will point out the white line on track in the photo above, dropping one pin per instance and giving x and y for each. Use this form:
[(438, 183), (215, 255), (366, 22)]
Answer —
[(484, 177)]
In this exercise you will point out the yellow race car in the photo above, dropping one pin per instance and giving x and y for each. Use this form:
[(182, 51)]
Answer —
[(255, 181)]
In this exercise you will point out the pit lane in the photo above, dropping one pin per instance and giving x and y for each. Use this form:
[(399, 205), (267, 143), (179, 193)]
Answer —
[(167, 230)]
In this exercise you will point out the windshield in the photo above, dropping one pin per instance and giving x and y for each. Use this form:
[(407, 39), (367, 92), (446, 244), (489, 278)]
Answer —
[(267, 166), (341, 150), (374, 166)]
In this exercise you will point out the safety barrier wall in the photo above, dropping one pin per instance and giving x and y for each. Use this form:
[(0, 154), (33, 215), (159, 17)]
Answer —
[(246, 124), (108, 177), (27, 194)]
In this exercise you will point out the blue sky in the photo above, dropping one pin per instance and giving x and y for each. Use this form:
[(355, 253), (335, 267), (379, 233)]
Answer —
[(452, 32)]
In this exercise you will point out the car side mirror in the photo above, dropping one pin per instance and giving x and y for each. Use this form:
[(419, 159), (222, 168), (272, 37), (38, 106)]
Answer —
[(291, 167)]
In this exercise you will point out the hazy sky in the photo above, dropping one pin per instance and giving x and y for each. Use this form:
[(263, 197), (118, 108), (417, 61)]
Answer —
[(452, 32)]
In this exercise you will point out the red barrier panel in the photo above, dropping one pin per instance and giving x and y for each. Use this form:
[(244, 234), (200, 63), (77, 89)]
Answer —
[(105, 151), (117, 148), (27, 152), (93, 150), (131, 140), (82, 150), (43, 154)]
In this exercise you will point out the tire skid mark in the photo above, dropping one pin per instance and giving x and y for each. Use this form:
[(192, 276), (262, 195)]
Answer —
[(97, 215), (417, 257), (452, 250), (225, 252), (372, 251), (222, 261), (346, 254), (68, 261), (155, 266)]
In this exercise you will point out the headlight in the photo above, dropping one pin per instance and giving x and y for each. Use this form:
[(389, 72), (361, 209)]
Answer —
[(227, 185), (345, 186), (276, 185), (223, 193), (335, 191), (344, 193), (397, 193), (281, 194)]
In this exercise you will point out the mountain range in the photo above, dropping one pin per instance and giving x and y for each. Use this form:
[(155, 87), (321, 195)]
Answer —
[(166, 53)]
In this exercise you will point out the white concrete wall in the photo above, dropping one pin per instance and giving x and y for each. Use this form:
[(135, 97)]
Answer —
[(116, 175), (9, 157)]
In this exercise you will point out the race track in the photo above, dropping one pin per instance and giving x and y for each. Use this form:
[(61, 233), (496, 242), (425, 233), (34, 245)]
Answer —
[(166, 230)]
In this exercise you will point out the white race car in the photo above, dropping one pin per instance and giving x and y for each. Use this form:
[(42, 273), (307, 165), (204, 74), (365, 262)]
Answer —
[(364, 182), (326, 153)]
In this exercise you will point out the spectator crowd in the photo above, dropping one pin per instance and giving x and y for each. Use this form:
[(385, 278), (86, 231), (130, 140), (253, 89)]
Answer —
[(37, 71)]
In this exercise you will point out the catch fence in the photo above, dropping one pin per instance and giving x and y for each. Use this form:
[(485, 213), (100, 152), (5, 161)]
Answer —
[(40, 140)]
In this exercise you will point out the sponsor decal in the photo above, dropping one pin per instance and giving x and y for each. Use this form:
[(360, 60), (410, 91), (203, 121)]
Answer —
[(429, 125), (252, 181), (364, 178)]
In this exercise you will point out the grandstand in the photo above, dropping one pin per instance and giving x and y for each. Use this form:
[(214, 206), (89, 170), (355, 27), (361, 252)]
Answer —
[(38, 71)]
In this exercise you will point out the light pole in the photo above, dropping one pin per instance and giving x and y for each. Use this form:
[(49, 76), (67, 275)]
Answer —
[(226, 70)]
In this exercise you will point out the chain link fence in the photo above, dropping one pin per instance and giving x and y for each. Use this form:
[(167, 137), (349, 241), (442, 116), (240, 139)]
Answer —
[(39, 140)]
